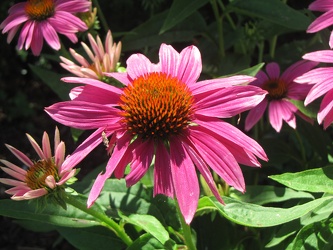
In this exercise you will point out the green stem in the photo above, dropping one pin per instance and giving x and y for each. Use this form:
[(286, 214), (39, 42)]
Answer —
[(186, 229), (301, 146), (105, 220), (260, 51), (272, 46), (101, 15), (219, 28)]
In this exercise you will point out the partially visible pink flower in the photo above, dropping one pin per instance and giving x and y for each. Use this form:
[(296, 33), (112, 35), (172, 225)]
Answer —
[(42, 176), (164, 115), (103, 59), (281, 89), (321, 82), (43, 19), (323, 21)]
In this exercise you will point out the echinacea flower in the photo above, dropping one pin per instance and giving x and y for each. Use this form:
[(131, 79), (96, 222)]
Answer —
[(42, 176), (103, 59), (43, 19), (281, 90), (323, 21), (321, 82), (163, 115)]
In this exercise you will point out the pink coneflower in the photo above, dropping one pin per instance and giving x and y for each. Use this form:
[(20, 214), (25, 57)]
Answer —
[(164, 116), (102, 59), (322, 78), (42, 176), (43, 19), (281, 89), (323, 21)]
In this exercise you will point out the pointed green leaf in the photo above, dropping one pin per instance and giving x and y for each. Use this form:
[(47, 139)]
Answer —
[(253, 215), (179, 10), (148, 223), (313, 180), (51, 214), (267, 194), (274, 11)]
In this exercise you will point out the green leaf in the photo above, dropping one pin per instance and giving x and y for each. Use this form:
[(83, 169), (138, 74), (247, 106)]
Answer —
[(148, 242), (253, 215), (179, 10), (91, 238), (267, 194), (274, 11), (313, 180), (148, 223), (146, 34), (51, 214), (318, 235), (52, 80), (251, 71), (310, 111)]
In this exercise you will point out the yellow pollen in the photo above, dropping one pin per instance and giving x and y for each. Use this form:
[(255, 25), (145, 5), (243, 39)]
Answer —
[(276, 89), (39, 10), (37, 173), (156, 106)]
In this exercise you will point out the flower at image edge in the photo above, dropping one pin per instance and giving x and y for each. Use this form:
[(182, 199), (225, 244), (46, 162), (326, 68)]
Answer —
[(164, 113), (320, 80), (43, 19), (42, 176), (325, 20), (281, 90)]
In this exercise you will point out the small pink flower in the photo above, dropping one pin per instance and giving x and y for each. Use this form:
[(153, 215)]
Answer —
[(164, 116), (281, 89), (42, 176), (43, 19), (323, 21), (321, 81), (103, 59)]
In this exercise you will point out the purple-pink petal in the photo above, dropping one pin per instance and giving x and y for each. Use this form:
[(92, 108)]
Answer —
[(321, 22), (273, 70), (184, 178), (255, 114)]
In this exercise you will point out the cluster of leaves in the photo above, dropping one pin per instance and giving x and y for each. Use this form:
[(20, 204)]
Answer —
[(288, 203)]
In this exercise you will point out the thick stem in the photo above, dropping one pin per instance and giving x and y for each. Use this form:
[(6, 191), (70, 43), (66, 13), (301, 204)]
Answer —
[(186, 229), (105, 220)]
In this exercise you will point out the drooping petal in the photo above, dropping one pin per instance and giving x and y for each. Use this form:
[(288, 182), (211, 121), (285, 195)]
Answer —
[(326, 106), (184, 178), (255, 114), (321, 22), (162, 172), (297, 69), (318, 90)]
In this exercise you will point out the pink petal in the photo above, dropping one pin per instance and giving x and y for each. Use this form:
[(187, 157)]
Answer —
[(121, 77), (218, 83), (321, 5), (273, 70), (315, 75), (50, 35), (46, 146), (318, 90), (36, 147), (14, 174), (185, 179), (115, 160), (59, 154), (14, 167), (22, 157), (229, 101), (324, 56), (218, 157), (138, 65), (37, 40), (190, 65), (297, 69), (325, 106), (162, 172), (11, 182), (321, 22), (255, 114), (50, 181), (35, 193), (169, 59), (83, 115), (142, 158), (82, 151)]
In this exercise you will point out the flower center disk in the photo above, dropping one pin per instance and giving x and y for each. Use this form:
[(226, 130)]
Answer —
[(37, 173), (39, 10), (276, 89), (156, 106)]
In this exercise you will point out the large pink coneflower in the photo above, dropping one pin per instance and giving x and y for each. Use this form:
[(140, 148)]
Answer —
[(321, 82), (323, 21), (281, 90), (42, 176), (102, 58), (164, 116), (43, 19)]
